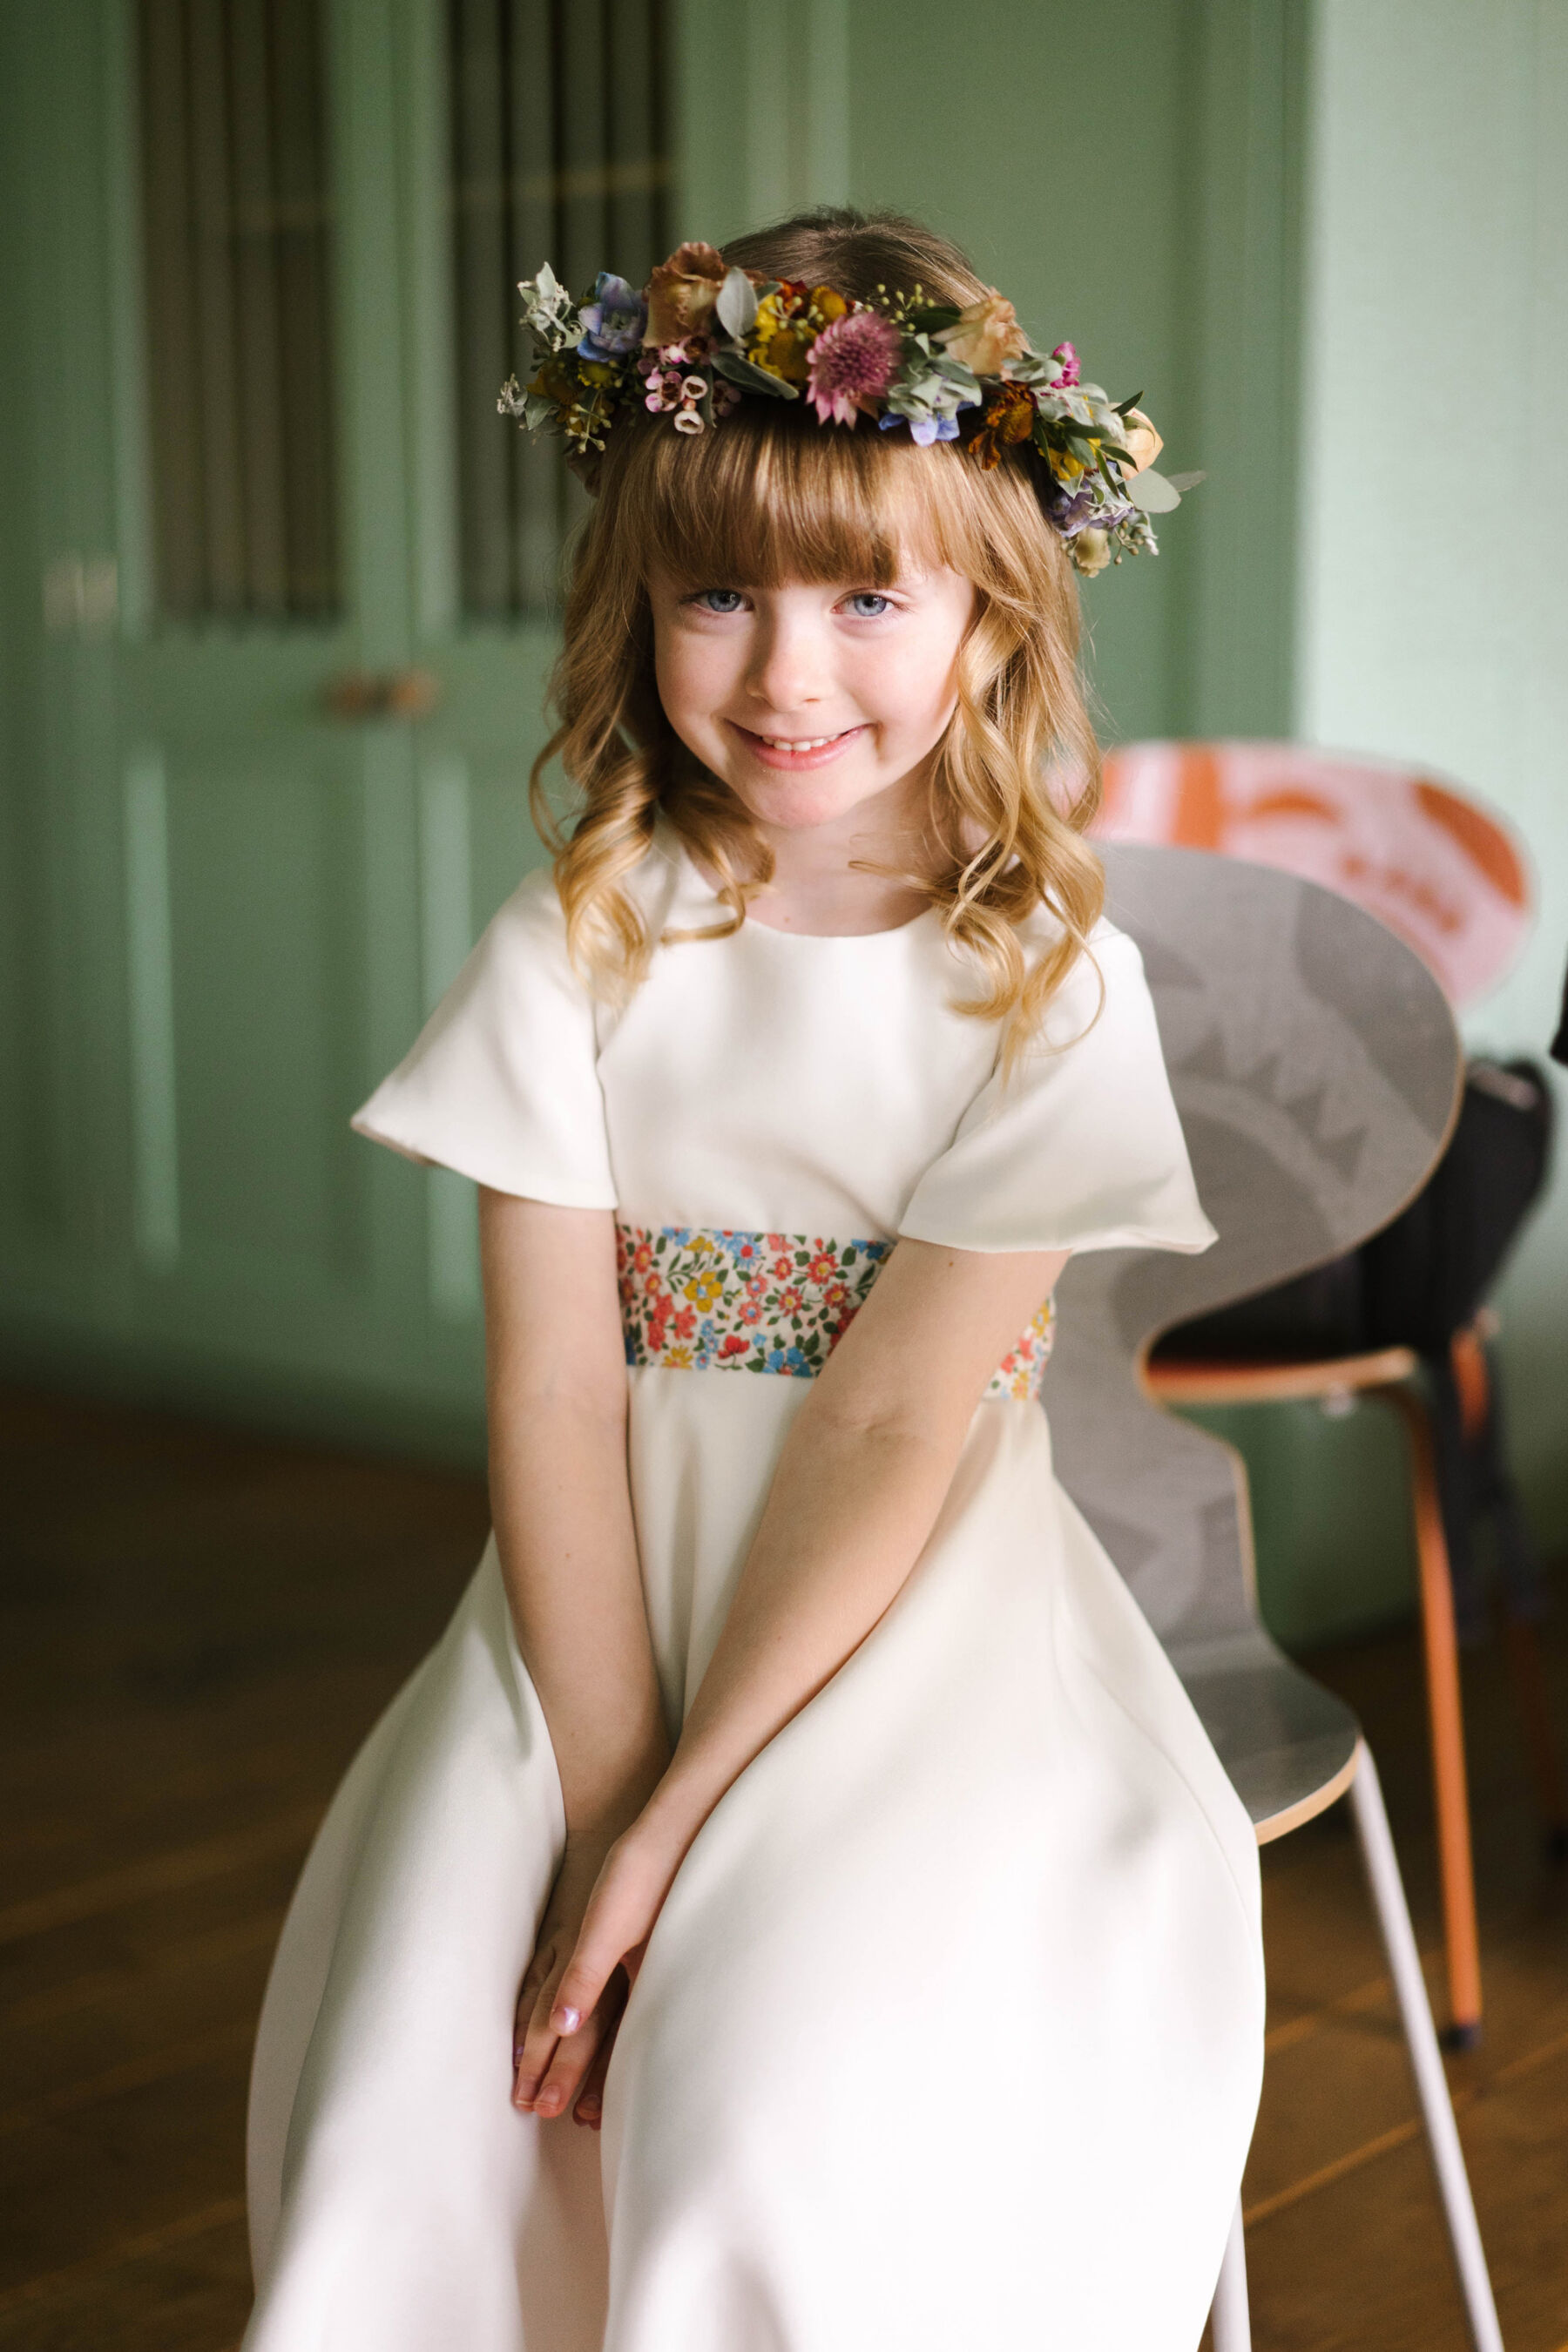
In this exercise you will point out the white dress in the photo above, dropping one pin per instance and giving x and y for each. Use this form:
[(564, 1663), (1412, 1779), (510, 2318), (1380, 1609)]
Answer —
[(949, 2037)]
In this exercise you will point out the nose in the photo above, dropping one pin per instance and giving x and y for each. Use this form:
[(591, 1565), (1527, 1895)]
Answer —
[(788, 669)]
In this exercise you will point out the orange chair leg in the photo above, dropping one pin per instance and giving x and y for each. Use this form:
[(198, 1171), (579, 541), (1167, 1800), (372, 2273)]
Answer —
[(1446, 1715)]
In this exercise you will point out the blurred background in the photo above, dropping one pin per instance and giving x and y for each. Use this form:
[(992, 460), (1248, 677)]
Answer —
[(275, 618)]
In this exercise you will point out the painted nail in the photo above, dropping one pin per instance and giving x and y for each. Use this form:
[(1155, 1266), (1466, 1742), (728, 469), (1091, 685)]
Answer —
[(566, 2020)]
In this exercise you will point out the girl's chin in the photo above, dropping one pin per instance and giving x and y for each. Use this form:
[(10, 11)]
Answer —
[(797, 807)]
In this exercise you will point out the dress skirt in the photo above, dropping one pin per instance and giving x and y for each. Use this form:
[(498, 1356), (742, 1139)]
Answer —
[(948, 2039)]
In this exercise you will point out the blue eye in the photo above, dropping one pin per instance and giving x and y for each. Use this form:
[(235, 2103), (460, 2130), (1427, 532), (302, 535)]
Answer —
[(869, 604), (718, 600)]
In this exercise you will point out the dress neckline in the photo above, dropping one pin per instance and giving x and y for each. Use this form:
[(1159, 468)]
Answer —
[(809, 938)]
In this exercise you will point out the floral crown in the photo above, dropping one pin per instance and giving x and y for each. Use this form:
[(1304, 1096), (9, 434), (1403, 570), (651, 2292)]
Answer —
[(701, 337)]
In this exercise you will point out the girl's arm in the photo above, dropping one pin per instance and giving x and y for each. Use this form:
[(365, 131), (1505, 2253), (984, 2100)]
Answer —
[(556, 1381), (863, 1474)]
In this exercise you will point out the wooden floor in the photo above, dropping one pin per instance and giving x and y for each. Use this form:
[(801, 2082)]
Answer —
[(197, 1629)]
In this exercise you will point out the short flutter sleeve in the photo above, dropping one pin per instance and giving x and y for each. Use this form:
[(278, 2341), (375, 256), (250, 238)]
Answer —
[(1079, 1147), (502, 1083)]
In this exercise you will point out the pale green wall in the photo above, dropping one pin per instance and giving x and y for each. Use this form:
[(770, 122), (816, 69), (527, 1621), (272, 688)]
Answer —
[(1433, 607)]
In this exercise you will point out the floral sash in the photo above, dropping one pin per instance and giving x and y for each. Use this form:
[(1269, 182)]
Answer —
[(706, 1299)]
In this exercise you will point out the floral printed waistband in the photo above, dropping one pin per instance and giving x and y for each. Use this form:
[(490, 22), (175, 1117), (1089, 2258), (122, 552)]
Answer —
[(700, 1298)]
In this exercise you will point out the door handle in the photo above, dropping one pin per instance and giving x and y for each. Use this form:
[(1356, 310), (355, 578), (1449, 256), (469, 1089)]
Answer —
[(365, 694)]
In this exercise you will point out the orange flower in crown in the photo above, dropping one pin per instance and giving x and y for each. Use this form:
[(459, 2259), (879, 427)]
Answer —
[(682, 293)]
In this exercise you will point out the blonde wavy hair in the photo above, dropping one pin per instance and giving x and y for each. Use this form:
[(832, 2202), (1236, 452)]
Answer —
[(773, 497)]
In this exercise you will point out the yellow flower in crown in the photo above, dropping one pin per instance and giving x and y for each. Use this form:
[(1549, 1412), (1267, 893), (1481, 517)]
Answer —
[(556, 381), (782, 337)]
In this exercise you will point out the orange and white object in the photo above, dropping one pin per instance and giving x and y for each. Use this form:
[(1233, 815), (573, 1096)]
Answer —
[(1442, 871)]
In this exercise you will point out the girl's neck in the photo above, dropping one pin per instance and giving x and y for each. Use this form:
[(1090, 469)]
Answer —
[(820, 885)]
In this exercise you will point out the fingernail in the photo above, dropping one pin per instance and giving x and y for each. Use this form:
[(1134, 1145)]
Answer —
[(566, 2021)]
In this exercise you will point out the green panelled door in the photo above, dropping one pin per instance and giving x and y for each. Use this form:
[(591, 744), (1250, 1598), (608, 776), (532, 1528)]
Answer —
[(270, 770)]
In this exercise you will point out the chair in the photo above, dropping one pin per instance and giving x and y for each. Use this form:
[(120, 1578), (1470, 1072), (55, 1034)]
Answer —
[(1444, 875), (1314, 1064)]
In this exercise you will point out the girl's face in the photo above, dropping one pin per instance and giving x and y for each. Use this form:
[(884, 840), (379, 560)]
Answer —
[(811, 702)]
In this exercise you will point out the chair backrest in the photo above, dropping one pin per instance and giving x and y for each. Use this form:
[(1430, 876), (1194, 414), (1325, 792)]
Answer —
[(1436, 867), (1316, 1068)]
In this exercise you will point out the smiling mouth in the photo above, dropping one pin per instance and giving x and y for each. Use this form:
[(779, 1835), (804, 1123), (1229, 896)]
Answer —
[(794, 749)]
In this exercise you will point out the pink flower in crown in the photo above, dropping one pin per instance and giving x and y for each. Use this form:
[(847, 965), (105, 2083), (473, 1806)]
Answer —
[(1068, 358), (851, 364)]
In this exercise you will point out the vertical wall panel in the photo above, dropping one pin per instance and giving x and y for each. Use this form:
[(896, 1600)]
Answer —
[(1435, 503), (560, 153), (236, 228), (155, 1173)]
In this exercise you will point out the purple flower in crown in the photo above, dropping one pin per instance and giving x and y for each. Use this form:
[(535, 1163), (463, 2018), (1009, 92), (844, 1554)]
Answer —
[(851, 364), (927, 429), (613, 321), (1069, 515)]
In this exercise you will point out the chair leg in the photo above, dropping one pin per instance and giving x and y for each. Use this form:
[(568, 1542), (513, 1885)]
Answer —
[(1446, 1715), (1426, 2058), (1230, 2321)]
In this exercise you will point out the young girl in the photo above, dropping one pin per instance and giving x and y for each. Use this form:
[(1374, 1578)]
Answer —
[(796, 1751)]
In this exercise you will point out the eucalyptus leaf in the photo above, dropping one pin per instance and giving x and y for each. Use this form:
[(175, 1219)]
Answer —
[(753, 379), (1153, 493), (737, 305), (956, 372), (1185, 482)]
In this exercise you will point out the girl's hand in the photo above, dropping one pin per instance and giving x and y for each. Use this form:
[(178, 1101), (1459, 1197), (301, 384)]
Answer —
[(588, 1957), (548, 2081)]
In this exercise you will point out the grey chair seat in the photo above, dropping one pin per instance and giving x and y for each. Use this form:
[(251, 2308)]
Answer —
[(1288, 1744)]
